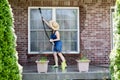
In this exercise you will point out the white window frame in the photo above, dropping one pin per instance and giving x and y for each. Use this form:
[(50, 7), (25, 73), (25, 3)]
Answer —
[(111, 23), (53, 17)]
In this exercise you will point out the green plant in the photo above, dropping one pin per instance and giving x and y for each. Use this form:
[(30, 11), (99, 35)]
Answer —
[(9, 67), (115, 53), (43, 59), (83, 57)]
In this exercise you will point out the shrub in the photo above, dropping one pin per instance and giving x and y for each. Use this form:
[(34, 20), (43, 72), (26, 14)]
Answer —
[(115, 53), (9, 67)]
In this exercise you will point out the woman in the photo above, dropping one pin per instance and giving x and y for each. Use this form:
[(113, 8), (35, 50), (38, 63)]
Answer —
[(55, 38)]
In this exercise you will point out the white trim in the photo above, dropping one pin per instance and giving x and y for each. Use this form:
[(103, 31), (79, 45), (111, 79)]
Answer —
[(66, 52), (28, 30), (78, 31), (53, 15), (59, 30), (111, 26), (54, 18)]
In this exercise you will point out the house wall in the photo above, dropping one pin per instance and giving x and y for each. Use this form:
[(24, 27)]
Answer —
[(95, 38)]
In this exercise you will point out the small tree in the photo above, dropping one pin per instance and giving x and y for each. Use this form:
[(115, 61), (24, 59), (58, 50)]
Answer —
[(115, 53), (9, 67)]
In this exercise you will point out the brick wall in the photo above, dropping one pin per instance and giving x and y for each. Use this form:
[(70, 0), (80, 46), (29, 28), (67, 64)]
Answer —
[(94, 28)]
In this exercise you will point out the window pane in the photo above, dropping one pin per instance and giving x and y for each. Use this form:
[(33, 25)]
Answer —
[(35, 17), (38, 38), (69, 40), (39, 41), (66, 14), (33, 41), (67, 18)]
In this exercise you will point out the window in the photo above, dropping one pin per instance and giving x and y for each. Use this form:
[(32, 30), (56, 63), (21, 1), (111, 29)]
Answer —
[(68, 19)]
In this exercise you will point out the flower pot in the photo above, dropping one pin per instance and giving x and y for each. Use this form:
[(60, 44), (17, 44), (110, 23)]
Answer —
[(42, 66), (83, 65)]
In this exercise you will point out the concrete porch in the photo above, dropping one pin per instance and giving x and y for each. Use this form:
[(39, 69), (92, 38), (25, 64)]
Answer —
[(96, 72)]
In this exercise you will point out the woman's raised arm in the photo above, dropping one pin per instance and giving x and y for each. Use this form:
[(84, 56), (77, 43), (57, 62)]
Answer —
[(49, 25)]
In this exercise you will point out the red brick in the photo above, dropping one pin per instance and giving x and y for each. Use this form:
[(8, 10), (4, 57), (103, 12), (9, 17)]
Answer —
[(94, 28)]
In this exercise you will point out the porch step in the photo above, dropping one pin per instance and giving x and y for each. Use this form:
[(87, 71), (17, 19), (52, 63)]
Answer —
[(67, 76), (71, 73)]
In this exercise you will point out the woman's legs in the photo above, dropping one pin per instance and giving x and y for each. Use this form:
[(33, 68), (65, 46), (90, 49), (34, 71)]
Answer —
[(63, 64), (62, 57), (56, 59)]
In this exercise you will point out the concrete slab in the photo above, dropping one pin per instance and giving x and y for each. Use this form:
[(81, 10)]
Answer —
[(71, 73)]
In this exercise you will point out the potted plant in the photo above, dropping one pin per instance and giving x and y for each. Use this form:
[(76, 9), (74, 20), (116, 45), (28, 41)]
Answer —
[(42, 65), (83, 64)]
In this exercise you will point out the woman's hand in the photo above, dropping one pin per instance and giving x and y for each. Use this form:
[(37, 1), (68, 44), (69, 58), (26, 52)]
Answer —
[(43, 19), (51, 40)]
